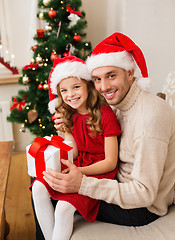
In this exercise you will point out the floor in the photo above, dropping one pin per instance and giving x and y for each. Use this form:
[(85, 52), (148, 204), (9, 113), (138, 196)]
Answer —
[(18, 207)]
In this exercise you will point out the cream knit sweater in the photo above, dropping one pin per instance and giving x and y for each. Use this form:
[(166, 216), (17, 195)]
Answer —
[(146, 174)]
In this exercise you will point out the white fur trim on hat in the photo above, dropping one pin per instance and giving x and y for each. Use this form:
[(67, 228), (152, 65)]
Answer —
[(52, 104), (68, 69), (118, 59), (144, 83)]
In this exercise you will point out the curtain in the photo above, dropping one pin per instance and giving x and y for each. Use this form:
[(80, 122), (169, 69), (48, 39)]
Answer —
[(7, 47), (18, 24)]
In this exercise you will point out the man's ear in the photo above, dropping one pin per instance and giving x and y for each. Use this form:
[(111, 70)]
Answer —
[(131, 74)]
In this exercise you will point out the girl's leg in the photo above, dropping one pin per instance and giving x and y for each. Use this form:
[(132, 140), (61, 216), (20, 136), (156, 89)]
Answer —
[(64, 216), (43, 208)]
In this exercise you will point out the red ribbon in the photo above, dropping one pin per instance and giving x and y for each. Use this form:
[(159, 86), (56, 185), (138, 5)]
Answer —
[(70, 10), (17, 104), (31, 66), (38, 147)]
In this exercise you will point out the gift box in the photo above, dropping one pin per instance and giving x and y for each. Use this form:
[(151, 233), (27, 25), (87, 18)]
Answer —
[(46, 153), (40, 33)]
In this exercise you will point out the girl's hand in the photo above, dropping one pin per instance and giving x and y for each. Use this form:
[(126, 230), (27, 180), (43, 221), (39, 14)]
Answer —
[(58, 120)]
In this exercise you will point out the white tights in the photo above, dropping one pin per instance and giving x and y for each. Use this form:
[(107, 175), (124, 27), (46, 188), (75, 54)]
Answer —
[(55, 225)]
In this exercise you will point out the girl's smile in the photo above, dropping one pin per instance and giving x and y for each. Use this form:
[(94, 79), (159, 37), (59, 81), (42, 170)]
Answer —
[(74, 93)]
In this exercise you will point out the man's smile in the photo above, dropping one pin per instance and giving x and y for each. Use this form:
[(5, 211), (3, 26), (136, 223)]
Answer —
[(110, 94)]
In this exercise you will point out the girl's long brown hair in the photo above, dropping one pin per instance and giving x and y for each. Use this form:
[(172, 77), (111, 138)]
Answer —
[(93, 104)]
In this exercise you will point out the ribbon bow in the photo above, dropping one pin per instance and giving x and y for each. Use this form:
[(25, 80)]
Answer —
[(70, 10), (31, 66), (38, 147), (17, 104)]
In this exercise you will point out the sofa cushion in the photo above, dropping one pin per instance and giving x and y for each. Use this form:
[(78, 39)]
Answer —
[(161, 229)]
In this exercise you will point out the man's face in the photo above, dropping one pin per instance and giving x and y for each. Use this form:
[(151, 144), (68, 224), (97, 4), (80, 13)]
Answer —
[(112, 83)]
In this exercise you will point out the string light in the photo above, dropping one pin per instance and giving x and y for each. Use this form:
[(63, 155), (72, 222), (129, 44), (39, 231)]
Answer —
[(0, 50), (12, 63)]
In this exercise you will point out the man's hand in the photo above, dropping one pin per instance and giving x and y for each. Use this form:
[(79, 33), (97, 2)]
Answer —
[(64, 183)]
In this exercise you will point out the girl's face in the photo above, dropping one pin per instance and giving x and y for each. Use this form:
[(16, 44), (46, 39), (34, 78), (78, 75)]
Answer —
[(74, 92)]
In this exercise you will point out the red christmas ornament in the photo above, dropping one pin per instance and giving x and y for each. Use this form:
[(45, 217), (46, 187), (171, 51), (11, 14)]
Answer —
[(40, 87), (67, 53), (77, 38), (40, 33), (34, 47), (53, 117), (53, 56), (52, 13)]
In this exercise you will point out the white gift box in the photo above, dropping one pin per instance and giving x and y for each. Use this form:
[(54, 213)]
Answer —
[(51, 157)]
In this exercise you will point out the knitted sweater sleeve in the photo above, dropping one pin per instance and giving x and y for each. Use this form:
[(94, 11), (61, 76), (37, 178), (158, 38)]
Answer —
[(142, 190)]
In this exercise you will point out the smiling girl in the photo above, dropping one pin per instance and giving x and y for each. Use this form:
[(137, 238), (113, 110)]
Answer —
[(93, 128)]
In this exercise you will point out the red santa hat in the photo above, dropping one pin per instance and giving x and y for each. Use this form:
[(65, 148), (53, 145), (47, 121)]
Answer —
[(120, 51), (69, 66)]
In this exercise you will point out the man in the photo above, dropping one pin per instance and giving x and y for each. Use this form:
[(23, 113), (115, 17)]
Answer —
[(144, 187)]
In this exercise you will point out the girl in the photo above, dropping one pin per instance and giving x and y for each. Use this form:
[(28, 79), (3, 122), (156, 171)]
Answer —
[(93, 128)]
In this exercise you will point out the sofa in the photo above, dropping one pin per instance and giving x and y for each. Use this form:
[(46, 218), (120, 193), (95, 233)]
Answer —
[(161, 229)]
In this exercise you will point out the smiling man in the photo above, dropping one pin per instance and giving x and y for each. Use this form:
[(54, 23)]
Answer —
[(112, 82), (144, 185)]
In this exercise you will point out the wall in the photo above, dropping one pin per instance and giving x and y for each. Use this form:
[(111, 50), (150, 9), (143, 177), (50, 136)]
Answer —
[(104, 17), (151, 24), (21, 139)]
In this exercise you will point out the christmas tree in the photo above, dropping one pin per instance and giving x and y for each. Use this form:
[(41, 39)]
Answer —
[(62, 35)]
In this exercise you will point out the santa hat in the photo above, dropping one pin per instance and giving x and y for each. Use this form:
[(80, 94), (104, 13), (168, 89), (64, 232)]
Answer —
[(120, 51), (70, 66)]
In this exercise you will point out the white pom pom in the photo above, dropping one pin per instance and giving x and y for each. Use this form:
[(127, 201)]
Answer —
[(52, 104), (144, 84)]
